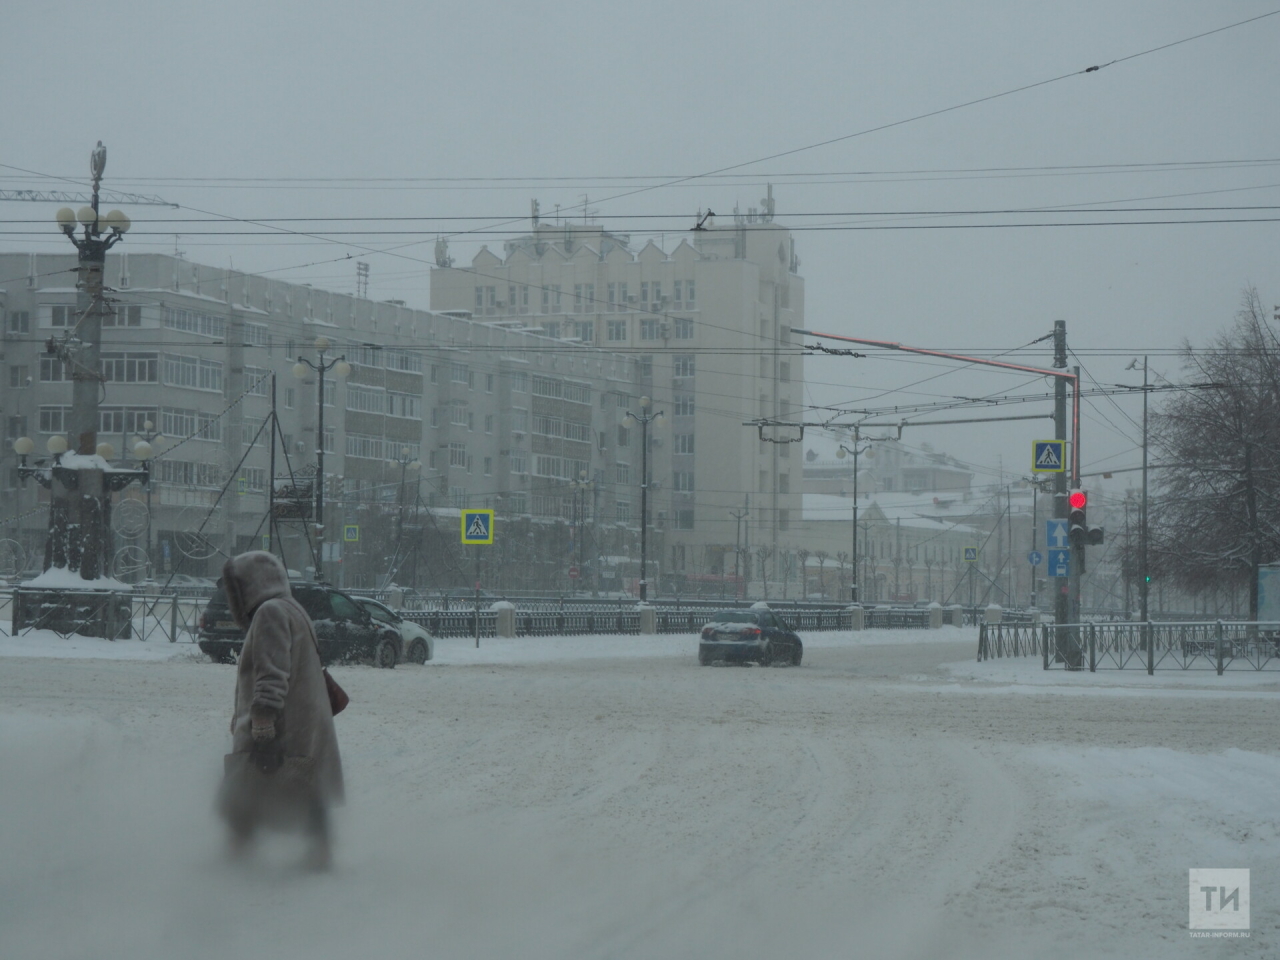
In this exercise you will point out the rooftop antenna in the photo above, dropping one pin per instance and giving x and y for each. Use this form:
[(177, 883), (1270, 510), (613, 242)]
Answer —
[(533, 213), (362, 280)]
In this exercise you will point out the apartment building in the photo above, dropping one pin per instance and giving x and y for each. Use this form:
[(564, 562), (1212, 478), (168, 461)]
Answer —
[(496, 416), (705, 319)]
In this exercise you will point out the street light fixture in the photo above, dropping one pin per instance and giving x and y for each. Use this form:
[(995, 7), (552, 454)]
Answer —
[(860, 445), (146, 445), (340, 369), (644, 418), (580, 488)]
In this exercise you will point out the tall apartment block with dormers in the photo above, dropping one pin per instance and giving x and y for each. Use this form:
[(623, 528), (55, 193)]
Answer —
[(498, 417), (705, 320)]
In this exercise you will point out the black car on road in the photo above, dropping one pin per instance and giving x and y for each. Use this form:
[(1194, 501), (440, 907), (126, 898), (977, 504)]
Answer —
[(745, 636), (344, 629)]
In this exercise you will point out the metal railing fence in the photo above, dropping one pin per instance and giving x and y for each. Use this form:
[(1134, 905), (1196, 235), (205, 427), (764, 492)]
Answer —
[(1217, 645)]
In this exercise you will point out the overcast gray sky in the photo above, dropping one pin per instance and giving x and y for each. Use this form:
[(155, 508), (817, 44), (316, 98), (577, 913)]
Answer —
[(596, 93)]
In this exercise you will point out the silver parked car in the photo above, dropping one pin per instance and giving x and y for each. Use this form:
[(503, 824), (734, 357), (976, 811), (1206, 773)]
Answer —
[(416, 644)]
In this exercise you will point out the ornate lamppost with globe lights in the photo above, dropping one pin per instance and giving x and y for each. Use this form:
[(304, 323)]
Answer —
[(340, 369)]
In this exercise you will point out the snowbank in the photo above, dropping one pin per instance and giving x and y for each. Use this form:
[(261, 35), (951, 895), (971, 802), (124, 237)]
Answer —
[(46, 643)]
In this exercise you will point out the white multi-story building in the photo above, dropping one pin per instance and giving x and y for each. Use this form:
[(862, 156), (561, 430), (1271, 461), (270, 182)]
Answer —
[(497, 417), (706, 321)]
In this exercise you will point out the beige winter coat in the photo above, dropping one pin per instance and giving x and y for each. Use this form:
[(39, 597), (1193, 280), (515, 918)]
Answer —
[(280, 669)]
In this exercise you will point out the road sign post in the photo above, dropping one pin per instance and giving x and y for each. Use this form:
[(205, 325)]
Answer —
[(477, 530)]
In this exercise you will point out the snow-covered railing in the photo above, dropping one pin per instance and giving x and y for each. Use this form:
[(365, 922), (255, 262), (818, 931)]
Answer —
[(1218, 645)]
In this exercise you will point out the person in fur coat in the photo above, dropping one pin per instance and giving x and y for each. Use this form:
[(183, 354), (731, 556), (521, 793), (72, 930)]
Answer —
[(284, 770)]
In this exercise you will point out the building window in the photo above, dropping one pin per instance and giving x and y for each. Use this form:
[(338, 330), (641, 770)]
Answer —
[(457, 454), (19, 321), (406, 405), (622, 474), (551, 330), (54, 419), (683, 328), (649, 328), (784, 370), (517, 503), (586, 331), (784, 519), (520, 382), (488, 466), (488, 423), (458, 372), (125, 315), (488, 383), (623, 511), (646, 367), (684, 519), (616, 330), (684, 405), (689, 295), (519, 462), (191, 321), (364, 399), (683, 480), (519, 420), (458, 415), (17, 426), (128, 367), (684, 443), (63, 317), (52, 370), (676, 299), (624, 436), (683, 366), (784, 483), (18, 375), (613, 297)]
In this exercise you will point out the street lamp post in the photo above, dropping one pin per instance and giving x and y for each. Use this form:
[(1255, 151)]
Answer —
[(407, 462), (644, 419), (860, 446), (340, 369), (580, 488)]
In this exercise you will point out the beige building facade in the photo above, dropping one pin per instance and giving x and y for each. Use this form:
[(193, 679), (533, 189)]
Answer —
[(704, 320)]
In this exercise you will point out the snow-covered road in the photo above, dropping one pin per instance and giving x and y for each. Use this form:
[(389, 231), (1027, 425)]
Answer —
[(608, 798)]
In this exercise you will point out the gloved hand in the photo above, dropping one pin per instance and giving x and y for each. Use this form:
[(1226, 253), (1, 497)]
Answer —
[(262, 724)]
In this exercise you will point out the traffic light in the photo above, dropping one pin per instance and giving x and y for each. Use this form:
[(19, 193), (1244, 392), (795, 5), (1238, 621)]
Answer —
[(1077, 527)]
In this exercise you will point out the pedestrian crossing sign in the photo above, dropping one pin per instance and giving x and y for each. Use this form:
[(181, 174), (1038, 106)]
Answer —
[(971, 554), (1047, 456), (477, 526)]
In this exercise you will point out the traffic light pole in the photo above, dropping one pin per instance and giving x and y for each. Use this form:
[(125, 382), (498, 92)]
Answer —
[(1067, 647), (1076, 569)]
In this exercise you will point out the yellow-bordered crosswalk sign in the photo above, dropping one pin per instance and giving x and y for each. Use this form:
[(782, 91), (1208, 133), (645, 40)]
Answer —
[(477, 526), (1048, 456)]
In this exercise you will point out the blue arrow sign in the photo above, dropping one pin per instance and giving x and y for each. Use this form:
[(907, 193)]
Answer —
[(1059, 563), (1056, 533), (1034, 558)]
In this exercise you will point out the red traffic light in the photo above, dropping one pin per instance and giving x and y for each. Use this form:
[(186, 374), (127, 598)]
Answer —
[(1077, 499)]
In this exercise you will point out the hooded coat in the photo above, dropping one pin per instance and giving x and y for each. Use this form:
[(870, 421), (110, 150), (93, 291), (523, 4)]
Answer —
[(280, 673)]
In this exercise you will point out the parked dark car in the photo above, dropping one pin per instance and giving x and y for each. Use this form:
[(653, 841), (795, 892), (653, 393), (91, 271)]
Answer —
[(344, 629), (745, 636)]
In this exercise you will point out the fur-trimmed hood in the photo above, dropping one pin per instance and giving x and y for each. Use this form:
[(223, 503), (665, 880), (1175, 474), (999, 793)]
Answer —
[(251, 579)]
